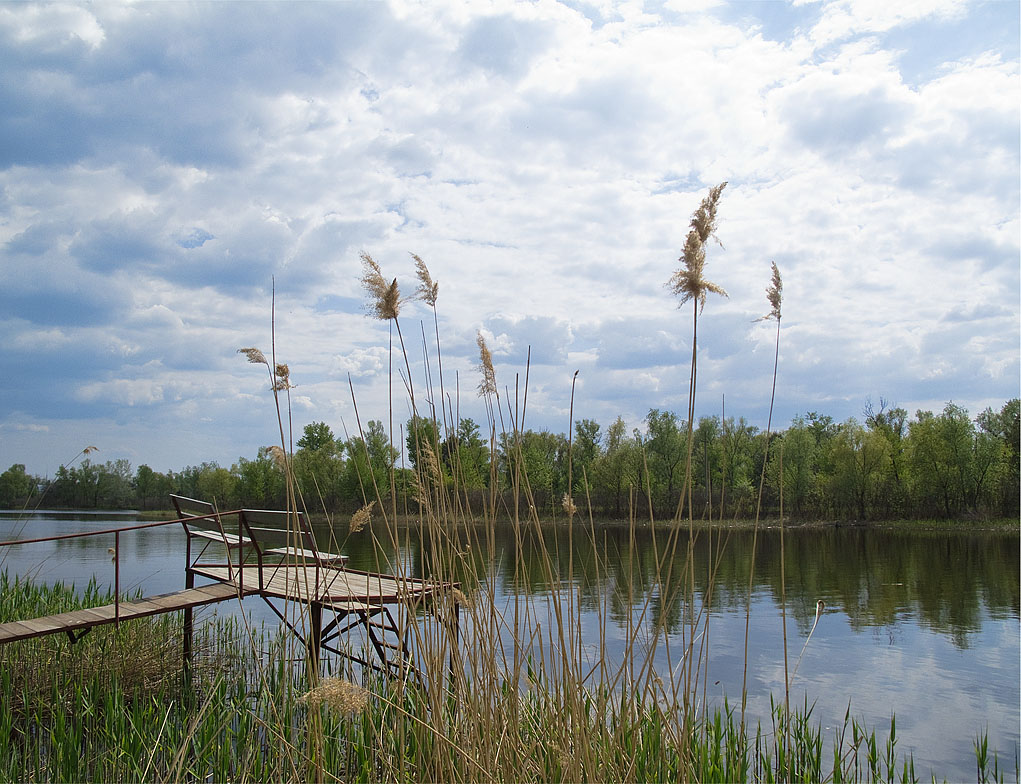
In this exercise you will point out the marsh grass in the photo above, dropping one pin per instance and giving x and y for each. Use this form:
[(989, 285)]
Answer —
[(256, 719)]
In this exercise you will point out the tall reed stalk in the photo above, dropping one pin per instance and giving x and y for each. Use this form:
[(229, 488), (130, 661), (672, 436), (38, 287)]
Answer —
[(689, 283), (774, 293)]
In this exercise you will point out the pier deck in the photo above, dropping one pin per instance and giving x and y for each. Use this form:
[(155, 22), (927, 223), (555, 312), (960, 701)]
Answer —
[(82, 620)]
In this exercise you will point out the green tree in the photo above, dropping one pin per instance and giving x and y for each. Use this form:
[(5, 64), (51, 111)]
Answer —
[(423, 438), (857, 456), (891, 424), (220, 486), (1005, 427), (16, 486), (585, 450), (665, 448), (800, 481), (737, 445), (367, 472), (542, 457), (707, 460), (317, 466), (466, 456), (260, 481), (316, 437), (617, 470), (146, 486), (951, 462)]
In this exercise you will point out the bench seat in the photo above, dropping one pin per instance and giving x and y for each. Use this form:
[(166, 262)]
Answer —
[(299, 552), (230, 540)]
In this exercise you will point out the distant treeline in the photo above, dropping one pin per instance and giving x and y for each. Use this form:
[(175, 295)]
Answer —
[(945, 465)]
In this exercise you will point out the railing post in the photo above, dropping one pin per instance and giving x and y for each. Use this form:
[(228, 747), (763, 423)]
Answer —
[(241, 558), (117, 577)]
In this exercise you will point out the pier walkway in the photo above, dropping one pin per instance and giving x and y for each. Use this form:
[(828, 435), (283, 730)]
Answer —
[(274, 555)]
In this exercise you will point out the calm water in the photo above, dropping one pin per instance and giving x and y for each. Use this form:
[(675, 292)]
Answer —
[(922, 624)]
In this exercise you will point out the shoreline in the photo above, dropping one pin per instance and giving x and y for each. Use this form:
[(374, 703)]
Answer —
[(999, 525)]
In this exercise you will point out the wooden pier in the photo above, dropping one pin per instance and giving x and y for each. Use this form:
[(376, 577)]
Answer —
[(271, 554)]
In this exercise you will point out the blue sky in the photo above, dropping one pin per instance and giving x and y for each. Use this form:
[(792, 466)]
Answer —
[(161, 164)]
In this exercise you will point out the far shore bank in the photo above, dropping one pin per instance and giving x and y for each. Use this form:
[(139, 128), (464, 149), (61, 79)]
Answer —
[(961, 524)]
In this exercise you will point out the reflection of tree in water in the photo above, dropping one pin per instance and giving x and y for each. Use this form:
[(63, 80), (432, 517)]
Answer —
[(876, 577)]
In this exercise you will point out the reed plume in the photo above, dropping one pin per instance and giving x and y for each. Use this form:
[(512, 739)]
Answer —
[(487, 386), (385, 304), (384, 298), (569, 506), (282, 380), (688, 282), (339, 695), (428, 289), (278, 455), (774, 293), (255, 356), (361, 518)]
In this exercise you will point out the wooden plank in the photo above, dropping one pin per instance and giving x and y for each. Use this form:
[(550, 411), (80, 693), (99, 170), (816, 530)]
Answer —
[(98, 616), (216, 591), (89, 615), (14, 630)]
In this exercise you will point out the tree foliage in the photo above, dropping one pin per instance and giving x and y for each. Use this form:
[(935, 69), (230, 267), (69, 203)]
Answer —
[(889, 465)]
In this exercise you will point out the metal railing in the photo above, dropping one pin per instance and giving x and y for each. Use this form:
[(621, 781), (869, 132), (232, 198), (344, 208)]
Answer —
[(116, 547)]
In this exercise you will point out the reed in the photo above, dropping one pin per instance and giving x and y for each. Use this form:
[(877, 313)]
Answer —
[(774, 293)]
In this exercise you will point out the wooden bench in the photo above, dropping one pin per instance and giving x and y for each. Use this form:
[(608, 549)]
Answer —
[(263, 532)]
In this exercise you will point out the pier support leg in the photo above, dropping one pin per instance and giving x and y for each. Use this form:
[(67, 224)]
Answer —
[(315, 635), (455, 653), (189, 582)]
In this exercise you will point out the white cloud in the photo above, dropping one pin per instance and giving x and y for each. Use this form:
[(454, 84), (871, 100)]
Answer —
[(843, 18), (543, 160)]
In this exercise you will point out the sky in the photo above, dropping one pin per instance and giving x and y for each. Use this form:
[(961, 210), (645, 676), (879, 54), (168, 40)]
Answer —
[(166, 169)]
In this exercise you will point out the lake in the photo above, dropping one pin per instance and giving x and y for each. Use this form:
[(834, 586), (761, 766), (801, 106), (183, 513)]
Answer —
[(924, 624)]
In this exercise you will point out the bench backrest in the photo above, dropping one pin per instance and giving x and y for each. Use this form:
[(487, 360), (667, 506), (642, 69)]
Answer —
[(188, 507), (271, 528), (279, 534)]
